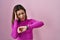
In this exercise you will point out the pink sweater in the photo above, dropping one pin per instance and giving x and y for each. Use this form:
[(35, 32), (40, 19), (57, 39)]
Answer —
[(28, 34)]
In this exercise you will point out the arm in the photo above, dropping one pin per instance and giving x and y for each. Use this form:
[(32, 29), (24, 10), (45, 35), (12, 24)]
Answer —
[(35, 24), (14, 33)]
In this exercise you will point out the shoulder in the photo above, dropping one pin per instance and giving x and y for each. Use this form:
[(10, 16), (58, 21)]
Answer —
[(31, 20), (34, 20)]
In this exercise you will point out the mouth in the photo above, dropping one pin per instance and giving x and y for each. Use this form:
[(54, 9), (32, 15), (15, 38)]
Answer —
[(22, 19)]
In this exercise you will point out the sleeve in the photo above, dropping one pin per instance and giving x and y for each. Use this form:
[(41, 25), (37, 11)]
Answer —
[(14, 33), (35, 24)]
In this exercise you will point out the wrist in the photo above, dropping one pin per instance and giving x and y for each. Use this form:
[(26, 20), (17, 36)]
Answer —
[(27, 27)]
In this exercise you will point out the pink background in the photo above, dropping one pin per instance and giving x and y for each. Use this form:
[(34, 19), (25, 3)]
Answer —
[(46, 10)]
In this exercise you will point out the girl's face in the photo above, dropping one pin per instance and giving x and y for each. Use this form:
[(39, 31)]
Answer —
[(21, 15)]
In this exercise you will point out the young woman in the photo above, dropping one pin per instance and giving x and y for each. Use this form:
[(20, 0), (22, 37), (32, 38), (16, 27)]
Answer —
[(22, 28)]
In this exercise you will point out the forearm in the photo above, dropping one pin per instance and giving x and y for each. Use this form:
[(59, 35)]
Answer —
[(14, 29), (35, 24)]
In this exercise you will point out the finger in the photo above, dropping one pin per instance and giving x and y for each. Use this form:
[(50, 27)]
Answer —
[(18, 30), (16, 17)]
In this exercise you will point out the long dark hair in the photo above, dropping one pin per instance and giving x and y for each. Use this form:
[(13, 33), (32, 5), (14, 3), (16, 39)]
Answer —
[(15, 9)]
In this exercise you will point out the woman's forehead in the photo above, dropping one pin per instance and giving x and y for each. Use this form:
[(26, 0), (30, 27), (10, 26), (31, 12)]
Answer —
[(20, 11)]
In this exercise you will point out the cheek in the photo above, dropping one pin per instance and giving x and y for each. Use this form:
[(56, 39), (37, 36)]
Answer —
[(24, 15), (19, 16)]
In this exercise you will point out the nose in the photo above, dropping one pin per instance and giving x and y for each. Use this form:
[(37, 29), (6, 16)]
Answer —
[(21, 16)]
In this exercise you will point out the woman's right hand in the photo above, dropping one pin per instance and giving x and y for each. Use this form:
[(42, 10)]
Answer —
[(21, 29), (16, 17)]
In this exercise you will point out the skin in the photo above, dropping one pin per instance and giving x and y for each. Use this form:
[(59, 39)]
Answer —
[(21, 16)]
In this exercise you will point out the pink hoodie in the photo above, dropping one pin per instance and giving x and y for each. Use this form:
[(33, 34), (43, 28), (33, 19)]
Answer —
[(28, 34)]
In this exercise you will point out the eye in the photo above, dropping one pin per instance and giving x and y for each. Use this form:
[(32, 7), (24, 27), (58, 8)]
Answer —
[(18, 14), (22, 13)]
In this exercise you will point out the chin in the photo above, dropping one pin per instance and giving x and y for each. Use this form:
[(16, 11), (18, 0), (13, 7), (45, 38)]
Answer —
[(22, 19)]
